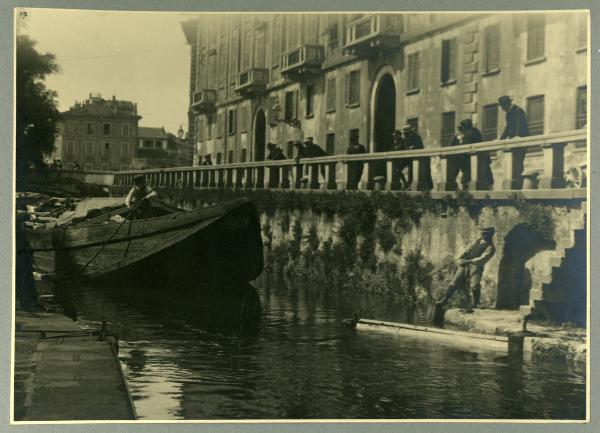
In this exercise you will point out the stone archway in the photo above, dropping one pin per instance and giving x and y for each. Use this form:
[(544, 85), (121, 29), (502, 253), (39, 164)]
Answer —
[(514, 279), (383, 117)]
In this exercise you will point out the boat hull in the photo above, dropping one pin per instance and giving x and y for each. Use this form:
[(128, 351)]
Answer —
[(210, 248)]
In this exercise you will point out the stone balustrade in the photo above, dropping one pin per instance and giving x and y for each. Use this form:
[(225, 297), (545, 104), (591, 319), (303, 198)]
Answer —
[(379, 170)]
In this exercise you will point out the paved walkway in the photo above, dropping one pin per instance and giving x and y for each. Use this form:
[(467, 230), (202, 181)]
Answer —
[(66, 377)]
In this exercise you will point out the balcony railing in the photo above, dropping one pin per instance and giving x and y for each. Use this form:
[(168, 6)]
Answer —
[(204, 101), (302, 61), (252, 81), (372, 33), (513, 161)]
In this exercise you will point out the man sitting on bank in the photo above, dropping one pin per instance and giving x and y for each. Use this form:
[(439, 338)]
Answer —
[(470, 268), (137, 199)]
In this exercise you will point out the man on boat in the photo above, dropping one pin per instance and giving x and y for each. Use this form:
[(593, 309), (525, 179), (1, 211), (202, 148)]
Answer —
[(138, 197), (470, 268)]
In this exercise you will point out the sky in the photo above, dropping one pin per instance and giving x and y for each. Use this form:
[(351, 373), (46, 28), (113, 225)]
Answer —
[(137, 56)]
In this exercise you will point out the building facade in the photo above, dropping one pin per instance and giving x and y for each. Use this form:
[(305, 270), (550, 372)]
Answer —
[(158, 148), (97, 134), (259, 78)]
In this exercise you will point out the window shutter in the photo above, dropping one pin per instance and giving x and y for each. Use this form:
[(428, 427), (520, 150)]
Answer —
[(444, 76), (535, 115), (260, 49), (200, 129), (347, 88), (452, 59), (492, 51), (535, 37), (295, 104)]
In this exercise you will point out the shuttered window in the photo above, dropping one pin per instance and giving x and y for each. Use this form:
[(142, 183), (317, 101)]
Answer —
[(536, 35), (210, 120), (260, 48), (581, 116), (246, 43), (535, 115), (244, 118), (413, 71), (200, 129), (492, 48), (330, 95), (353, 88), (448, 60), (310, 100), (220, 124), (448, 125), (489, 122), (231, 122), (291, 105), (278, 40), (290, 149), (583, 30), (330, 144)]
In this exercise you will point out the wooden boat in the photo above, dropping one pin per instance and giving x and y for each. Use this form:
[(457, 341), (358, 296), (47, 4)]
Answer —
[(101, 241)]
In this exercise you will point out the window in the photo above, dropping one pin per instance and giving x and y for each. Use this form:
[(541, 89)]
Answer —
[(106, 149), (489, 122), (332, 35), (220, 124), (89, 148), (413, 72), (231, 122), (123, 167), (124, 149), (330, 144), (230, 157), (535, 115), (158, 144), (200, 129), (88, 166), (260, 48), (106, 128), (448, 125), (583, 30), (291, 105), (448, 61), (290, 149), (414, 122), (90, 128), (70, 127), (148, 143), (353, 88), (125, 129), (219, 158), (492, 48), (70, 148), (210, 119), (536, 34), (244, 118), (354, 135), (310, 100), (330, 95), (581, 116), (244, 155), (104, 167)]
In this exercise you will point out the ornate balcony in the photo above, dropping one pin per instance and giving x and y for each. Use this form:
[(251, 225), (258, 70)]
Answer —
[(373, 33), (252, 81), (204, 101), (303, 61)]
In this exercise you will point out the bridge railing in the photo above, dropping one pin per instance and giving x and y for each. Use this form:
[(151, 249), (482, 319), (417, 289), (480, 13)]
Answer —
[(432, 168)]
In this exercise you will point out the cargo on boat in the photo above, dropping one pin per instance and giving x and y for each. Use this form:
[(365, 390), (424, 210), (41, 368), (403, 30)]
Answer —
[(101, 240)]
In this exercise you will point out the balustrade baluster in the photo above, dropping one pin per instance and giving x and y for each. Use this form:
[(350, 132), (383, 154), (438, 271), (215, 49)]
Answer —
[(267, 178), (479, 171), (554, 166), (448, 171), (344, 172), (513, 167)]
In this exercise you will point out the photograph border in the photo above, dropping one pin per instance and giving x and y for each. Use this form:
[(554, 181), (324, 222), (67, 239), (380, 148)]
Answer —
[(7, 194)]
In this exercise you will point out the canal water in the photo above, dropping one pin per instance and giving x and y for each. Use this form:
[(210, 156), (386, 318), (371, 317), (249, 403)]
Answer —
[(197, 358)]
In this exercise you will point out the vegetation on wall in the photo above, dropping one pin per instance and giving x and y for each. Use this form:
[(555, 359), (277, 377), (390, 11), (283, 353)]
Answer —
[(536, 217)]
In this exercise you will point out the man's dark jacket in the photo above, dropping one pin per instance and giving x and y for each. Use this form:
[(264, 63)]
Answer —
[(516, 123)]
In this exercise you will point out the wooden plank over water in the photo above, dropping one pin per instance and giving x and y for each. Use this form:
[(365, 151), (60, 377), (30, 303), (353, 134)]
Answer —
[(452, 337)]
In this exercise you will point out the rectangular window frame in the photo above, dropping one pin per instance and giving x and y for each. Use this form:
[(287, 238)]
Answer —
[(310, 101), (413, 66), (581, 107), (231, 121), (330, 95), (291, 105), (353, 88), (536, 39), (448, 128), (330, 143), (448, 62), (106, 128), (492, 50), (536, 125), (489, 129)]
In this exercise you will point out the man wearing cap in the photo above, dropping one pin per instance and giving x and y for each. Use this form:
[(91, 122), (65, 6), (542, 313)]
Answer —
[(355, 168), (404, 165), (275, 153), (413, 141), (470, 268), (138, 197), (516, 120)]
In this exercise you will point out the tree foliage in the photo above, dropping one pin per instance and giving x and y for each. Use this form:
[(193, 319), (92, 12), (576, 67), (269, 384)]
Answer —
[(37, 112)]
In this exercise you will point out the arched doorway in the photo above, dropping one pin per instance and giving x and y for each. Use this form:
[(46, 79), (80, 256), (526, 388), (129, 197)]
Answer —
[(514, 279), (384, 119), (260, 123)]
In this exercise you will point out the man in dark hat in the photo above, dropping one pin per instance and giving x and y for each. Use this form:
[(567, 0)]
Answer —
[(402, 169), (516, 120), (470, 269), (301, 150), (314, 150), (413, 141), (207, 160), (275, 153), (355, 168), (138, 197)]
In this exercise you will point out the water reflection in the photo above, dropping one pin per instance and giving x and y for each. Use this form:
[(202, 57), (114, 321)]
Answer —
[(281, 352)]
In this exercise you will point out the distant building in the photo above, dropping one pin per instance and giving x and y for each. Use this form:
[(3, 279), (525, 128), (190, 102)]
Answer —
[(157, 148), (259, 78), (97, 134)]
